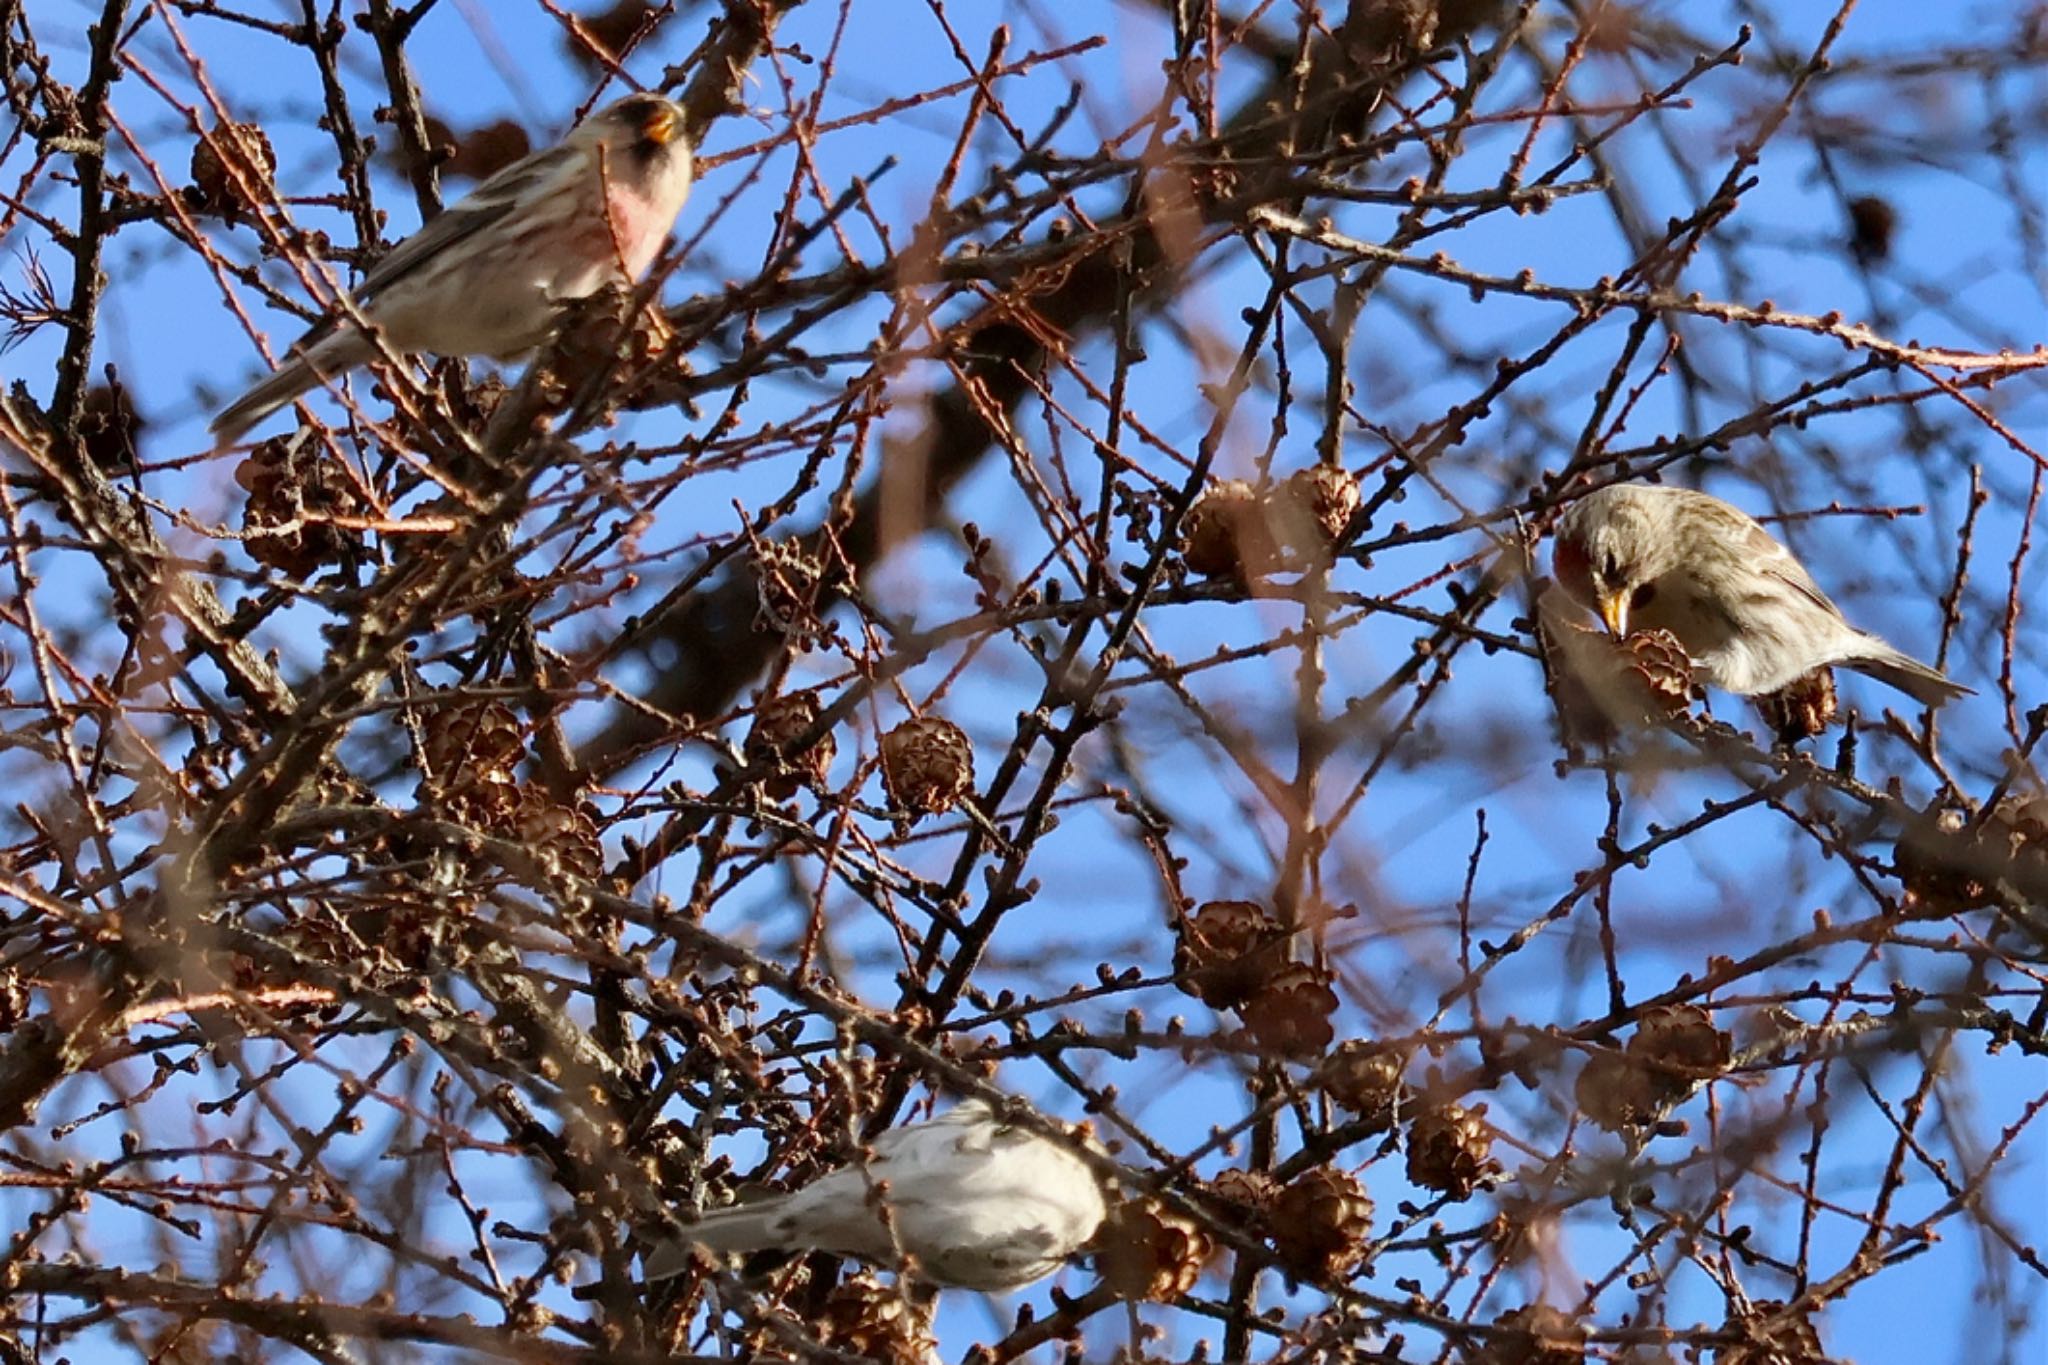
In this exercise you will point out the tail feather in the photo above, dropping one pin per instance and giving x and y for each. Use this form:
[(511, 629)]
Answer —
[(1925, 684), (745, 1227), (300, 373)]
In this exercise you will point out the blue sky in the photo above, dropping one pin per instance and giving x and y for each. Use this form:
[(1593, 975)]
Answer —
[(1401, 857)]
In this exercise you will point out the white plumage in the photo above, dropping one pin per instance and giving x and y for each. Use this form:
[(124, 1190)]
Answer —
[(978, 1203)]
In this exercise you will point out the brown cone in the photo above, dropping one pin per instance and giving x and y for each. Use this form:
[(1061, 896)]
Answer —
[(293, 496), (778, 723), (1789, 1342), (1615, 1092), (1534, 1334), (927, 764), (1801, 709), (865, 1317), (565, 834), (1147, 1253), (471, 738), (1225, 535), (1289, 1014), (108, 427), (1226, 951), (1364, 1078), (1320, 1223), (1951, 863), (214, 185), (1450, 1150), (1311, 509), (482, 152), (1679, 1049), (1251, 1192), (1603, 687)]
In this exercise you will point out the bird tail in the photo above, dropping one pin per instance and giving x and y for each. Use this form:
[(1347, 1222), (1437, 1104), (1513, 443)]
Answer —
[(301, 372), (1925, 684), (753, 1226)]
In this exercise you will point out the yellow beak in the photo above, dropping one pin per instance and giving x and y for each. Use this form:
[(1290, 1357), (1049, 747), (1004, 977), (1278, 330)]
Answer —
[(1614, 611), (661, 125)]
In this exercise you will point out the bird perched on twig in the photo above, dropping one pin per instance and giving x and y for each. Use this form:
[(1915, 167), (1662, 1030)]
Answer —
[(1748, 614), (489, 276), (980, 1204)]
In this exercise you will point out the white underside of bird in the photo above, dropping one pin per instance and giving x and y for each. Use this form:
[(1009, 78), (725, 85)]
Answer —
[(977, 1203)]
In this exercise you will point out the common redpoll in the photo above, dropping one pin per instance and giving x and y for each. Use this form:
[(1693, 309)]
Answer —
[(1747, 612), (978, 1203), (488, 276)]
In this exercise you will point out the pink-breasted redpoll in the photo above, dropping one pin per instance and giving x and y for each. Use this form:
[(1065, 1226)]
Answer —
[(1748, 614), (489, 276), (978, 1203)]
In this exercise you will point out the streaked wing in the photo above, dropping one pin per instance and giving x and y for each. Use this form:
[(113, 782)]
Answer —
[(1778, 562), (519, 183)]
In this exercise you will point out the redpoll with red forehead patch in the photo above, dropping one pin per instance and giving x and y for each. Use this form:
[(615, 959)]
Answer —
[(1748, 614), (489, 276)]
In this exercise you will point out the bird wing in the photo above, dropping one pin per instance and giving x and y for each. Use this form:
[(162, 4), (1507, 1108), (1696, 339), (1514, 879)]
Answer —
[(488, 203), (517, 184), (1777, 562)]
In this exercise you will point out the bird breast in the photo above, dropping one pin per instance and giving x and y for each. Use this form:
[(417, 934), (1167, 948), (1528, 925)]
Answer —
[(641, 204)]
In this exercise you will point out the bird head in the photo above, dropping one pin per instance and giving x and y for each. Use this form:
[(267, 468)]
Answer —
[(646, 124), (1611, 548)]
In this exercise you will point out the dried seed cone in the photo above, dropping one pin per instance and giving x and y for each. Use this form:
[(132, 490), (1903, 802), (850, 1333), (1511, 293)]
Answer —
[(1364, 1078), (1320, 1223), (1616, 1092), (1311, 509), (1226, 951), (1943, 867), (108, 427), (293, 494), (213, 184), (1450, 1149), (2026, 817), (1950, 863), (1535, 1334), (1790, 1342), (486, 799), (565, 834), (865, 1317), (1225, 535), (1656, 666), (779, 722), (471, 738), (1679, 1050), (1801, 711), (1149, 1254), (604, 335), (927, 765), (415, 929), (1603, 686), (1290, 1013), (786, 581), (1872, 221), (1252, 1192)]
